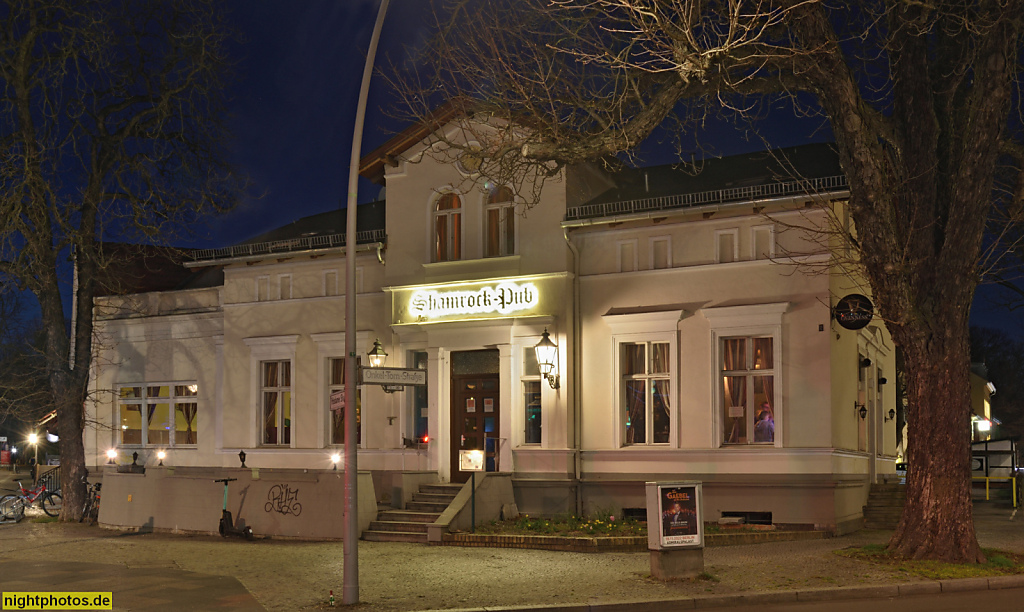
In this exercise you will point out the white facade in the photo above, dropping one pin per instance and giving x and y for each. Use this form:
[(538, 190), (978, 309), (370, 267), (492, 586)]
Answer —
[(678, 330)]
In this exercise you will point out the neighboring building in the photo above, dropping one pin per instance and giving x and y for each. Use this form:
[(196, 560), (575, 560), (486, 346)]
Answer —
[(692, 316)]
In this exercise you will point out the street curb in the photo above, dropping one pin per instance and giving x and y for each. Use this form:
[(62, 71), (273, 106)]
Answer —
[(876, 591)]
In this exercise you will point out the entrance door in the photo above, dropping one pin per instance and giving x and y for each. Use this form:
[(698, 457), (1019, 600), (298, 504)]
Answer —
[(474, 419)]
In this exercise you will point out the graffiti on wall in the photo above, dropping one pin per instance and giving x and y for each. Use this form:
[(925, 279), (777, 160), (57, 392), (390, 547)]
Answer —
[(284, 500)]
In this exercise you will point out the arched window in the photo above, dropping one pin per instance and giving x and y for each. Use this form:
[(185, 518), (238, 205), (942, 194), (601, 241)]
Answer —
[(499, 223), (448, 227)]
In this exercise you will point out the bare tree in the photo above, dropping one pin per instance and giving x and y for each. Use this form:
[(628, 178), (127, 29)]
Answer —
[(110, 127), (919, 97)]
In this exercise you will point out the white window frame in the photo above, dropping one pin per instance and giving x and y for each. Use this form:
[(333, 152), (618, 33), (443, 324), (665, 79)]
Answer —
[(648, 377), (502, 225), (660, 326), (735, 234), (635, 245), (521, 346), (331, 345), (172, 401), (654, 240), (770, 229), (330, 287), (282, 279), (263, 281), (448, 214), (761, 320), (269, 348)]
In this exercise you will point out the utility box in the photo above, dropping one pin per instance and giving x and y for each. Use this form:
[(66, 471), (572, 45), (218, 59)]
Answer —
[(675, 529)]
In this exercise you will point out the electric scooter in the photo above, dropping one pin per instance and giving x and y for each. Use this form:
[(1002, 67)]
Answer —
[(227, 524)]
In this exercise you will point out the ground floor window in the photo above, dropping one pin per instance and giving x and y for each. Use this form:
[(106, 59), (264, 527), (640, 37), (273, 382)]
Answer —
[(161, 414), (418, 409), (337, 384), (748, 389), (531, 396), (646, 384), (276, 391)]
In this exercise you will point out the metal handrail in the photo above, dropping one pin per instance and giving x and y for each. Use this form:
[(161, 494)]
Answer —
[(305, 243), (715, 196)]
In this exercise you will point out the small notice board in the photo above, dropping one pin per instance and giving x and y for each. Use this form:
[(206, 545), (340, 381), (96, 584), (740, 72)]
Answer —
[(676, 509)]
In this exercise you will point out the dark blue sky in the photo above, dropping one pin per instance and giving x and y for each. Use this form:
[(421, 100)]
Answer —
[(293, 105)]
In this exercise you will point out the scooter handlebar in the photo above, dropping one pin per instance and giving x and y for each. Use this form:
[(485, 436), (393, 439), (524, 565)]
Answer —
[(225, 480)]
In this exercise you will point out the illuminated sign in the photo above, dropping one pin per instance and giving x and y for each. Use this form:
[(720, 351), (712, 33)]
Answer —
[(503, 298)]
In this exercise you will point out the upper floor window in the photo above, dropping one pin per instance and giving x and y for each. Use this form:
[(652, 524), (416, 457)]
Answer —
[(500, 220), (448, 227)]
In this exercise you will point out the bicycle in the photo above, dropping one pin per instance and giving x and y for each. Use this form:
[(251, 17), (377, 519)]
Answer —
[(12, 506), (91, 510)]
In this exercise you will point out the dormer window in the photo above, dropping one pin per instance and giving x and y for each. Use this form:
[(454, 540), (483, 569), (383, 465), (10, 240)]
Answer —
[(448, 227), (500, 223)]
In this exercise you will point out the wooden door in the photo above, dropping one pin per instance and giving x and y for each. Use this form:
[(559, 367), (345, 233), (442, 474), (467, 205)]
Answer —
[(474, 420)]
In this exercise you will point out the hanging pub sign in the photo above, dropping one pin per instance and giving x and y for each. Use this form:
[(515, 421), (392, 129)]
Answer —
[(853, 311)]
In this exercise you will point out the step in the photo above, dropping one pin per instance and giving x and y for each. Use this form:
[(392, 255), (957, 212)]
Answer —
[(405, 516), (427, 507), (395, 536), (432, 498), (446, 488), (399, 526)]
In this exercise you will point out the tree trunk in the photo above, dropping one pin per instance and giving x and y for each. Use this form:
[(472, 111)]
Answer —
[(70, 424), (937, 520)]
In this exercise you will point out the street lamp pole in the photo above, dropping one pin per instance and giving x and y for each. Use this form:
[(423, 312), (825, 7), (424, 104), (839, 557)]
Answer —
[(350, 531), (33, 439)]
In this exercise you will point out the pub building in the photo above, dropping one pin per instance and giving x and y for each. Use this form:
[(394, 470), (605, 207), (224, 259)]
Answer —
[(689, 318)]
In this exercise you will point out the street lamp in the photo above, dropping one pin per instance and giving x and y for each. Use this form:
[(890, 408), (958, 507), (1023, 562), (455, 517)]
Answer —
[(377, 355), (547, 359)]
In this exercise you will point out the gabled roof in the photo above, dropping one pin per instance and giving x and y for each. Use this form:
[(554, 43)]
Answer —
[(371, 166)]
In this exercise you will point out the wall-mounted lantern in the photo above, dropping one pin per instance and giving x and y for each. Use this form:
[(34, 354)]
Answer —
[(547, 359), (860, 409)]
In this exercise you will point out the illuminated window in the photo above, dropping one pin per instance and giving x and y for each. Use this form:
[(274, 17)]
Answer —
[(276, 392), (162, 415), (646, 386), (336, 384), (531, 396), (500, 223), (448, 227), (748, 389)]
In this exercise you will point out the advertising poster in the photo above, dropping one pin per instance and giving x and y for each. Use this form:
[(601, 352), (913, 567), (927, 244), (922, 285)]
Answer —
[(679, 518)]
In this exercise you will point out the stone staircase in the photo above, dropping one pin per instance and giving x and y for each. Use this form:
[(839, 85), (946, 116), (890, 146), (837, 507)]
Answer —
[(885, 505), (410, 525)]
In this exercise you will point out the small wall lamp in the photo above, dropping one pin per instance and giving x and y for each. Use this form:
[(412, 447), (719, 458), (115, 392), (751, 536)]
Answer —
[(241, 457), (111, 457), (892, 414), (865, 362), (860, 409), (335, 458), (547, 358), (160, 455)]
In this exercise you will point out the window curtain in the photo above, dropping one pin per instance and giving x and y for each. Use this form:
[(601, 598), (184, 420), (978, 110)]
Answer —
[(735, 396), (662, 410), (636, 425)]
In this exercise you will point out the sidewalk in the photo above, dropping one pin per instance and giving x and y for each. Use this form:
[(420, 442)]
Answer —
[(163, 572)]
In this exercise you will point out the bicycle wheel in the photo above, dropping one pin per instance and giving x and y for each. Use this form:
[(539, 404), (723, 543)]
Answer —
[(12, 508), (52, 503), (87, 508)]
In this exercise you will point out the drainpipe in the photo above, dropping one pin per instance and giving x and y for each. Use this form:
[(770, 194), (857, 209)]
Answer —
[(577, 342)]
